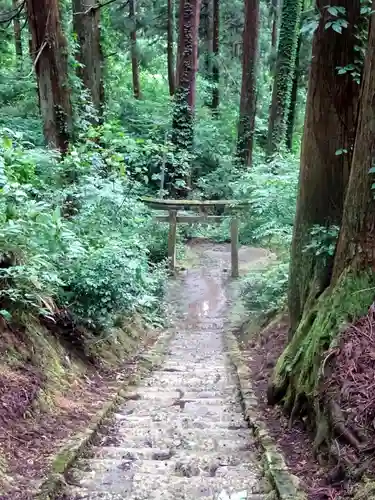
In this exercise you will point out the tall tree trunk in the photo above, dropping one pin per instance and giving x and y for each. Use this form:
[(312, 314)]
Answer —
[(355, 247), (297, 380), (285, 62), (275, 11), (215, 62), (86, 24), (330, 123), (206, 34), (248, 89), (293, 98), (50, 53), (274, 18), (182, 135), (134, 50), (170, 42), (17, 33)]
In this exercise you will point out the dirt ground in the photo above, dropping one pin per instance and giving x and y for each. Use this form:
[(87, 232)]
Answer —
[(295, 442), (30, 435)]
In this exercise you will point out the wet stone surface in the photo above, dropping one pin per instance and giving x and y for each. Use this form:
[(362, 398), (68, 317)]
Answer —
[(181, 435)]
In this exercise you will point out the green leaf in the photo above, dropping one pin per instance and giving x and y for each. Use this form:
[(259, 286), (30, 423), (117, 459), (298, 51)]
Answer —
[(7, 142), (337, 27), (333, 10)]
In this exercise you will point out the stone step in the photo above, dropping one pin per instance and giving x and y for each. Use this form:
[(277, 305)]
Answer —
[(179, 420), (158, 435), (152, 487), (82, 494), (190, 440), (159, 394), (190, 383), (208, 464), (214, 412), (144, 486)]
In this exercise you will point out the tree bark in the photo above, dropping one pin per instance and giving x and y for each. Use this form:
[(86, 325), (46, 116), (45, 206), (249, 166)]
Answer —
[(285, 62), (182, 133), (50, 54), (170, 52), (134, 54), (248, 89), (215, 62), (355, 247), (293, 98), (17, 33), (86, 25), (330, 124), (206, 34), (275, 8), (300, 373)]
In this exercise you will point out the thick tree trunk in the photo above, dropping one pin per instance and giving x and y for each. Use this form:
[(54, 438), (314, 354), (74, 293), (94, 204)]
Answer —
[(182, 135), (17, 33), (50, 54), (86, 24), (133, 48), (293, 99), (330, 123), (170, 42), (215, 62), (285, 62), (248, 89), (355, 246), (297, 381)]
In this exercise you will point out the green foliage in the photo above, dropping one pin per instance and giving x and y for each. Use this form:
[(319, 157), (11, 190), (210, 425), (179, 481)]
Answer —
[(84, 243), (264, 291), (323, 241)]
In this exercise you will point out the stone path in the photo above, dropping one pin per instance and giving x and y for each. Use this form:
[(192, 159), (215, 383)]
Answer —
[(182, 434)]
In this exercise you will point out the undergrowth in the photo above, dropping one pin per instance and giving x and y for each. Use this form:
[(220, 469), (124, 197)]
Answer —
[(73, 233)]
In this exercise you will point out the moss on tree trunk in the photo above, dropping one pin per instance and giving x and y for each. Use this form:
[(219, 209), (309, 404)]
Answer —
[(298, 370), (182, 133), (293, 99), (285, 62)]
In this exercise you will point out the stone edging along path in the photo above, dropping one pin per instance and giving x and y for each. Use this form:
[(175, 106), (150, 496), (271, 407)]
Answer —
[(286, 484), (148, 360)]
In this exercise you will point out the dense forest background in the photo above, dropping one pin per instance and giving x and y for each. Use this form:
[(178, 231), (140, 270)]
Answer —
[(256, 100)]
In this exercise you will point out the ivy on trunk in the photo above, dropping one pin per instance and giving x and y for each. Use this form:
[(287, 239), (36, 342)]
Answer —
[(285, 62)]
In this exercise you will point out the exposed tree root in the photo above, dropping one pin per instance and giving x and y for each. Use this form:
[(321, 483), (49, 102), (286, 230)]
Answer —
[(309, 382)]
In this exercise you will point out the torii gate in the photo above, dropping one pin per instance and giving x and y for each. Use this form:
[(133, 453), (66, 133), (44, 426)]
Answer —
[(173, 217)]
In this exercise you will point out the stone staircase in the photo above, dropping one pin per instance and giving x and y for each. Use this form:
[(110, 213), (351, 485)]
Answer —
[(181, 435)]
